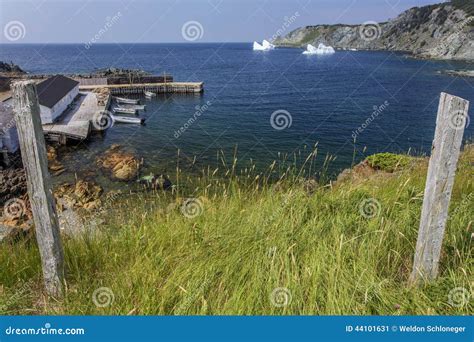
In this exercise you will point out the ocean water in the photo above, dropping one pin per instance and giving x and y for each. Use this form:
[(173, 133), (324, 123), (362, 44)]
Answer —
[(386, 100)]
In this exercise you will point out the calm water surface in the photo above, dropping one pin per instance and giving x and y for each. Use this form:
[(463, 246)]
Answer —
[(327, 98)]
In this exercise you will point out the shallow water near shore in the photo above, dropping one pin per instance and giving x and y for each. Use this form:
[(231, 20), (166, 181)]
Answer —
[(387, 101)]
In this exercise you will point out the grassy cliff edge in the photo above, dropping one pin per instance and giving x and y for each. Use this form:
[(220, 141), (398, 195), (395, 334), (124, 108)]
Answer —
[(246, 246)]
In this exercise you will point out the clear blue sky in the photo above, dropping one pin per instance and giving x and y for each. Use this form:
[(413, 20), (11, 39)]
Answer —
[(141, 21)]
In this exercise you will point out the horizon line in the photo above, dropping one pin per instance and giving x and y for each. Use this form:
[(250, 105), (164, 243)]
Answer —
[(118, 43)]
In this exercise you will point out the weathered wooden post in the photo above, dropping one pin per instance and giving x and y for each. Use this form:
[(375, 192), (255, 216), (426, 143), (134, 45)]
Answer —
[(450, 124), (33, 152)]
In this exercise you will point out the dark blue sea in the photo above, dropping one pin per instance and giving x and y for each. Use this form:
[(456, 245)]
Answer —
[(386, 100)]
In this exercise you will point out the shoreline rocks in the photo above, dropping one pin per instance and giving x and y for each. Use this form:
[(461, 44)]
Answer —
[(119, 164), (460, 73), (10, 68), (83, 194), (54, 166)]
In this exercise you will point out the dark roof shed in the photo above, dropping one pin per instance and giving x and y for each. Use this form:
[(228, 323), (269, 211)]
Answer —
[(52, 90)]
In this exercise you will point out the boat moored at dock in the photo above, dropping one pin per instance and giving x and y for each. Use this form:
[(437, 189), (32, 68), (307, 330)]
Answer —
[(124, 110), (126, 101), (127, 120)]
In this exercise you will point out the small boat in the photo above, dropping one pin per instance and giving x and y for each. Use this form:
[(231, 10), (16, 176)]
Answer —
[(124, 110), (149, 94), (137, 107), (128, 120), (126, 101)]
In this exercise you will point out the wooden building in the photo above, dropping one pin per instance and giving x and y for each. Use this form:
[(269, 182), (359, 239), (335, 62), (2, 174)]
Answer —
[(55, 94)]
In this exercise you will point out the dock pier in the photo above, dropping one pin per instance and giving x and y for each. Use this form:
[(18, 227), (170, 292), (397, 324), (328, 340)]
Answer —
[(76, 123), (94, 97), (140, 88)]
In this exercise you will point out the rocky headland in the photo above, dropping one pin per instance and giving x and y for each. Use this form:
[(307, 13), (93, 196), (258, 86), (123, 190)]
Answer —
[(440, 31)]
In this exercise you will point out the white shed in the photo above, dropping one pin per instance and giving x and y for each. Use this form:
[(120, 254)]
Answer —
[(9, 141), (54, 95)]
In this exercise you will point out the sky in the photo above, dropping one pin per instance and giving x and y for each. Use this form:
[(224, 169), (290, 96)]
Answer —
[(144, 21)]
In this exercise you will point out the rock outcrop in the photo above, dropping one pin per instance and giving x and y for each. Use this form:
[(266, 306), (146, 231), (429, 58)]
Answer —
[(442, 31), (121, 165), (12, 184), (82, 194), (54, 166), (8, 73), (10, 68)]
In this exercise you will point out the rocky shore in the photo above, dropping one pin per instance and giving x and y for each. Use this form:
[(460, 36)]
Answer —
[(76, 201), (441, 31), (460, 73)]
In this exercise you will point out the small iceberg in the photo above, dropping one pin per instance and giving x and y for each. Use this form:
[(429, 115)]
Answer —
[(265, 46), (320, 50)]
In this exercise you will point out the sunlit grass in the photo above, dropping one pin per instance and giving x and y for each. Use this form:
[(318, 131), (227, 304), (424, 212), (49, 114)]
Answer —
[(257, 232)]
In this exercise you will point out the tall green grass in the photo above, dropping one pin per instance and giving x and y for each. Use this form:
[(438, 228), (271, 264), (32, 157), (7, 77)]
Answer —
[(264, 243)]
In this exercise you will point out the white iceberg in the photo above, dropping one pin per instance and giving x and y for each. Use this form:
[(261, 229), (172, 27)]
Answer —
[(265, 46), (320, 50)]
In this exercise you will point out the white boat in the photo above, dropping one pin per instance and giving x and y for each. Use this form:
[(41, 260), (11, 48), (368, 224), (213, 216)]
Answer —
[(320, 50), (128, 120), (353, 49), (124, 110), (137, 107), (149, 94), (126, 101), (265, 46)]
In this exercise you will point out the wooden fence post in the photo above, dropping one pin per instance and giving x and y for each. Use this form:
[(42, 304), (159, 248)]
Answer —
[(450, 124), (33, 152)]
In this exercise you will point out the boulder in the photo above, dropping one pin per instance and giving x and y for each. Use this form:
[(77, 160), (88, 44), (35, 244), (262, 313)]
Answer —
[(54, 166), (12, 184), (120, 164), (83, 194)]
